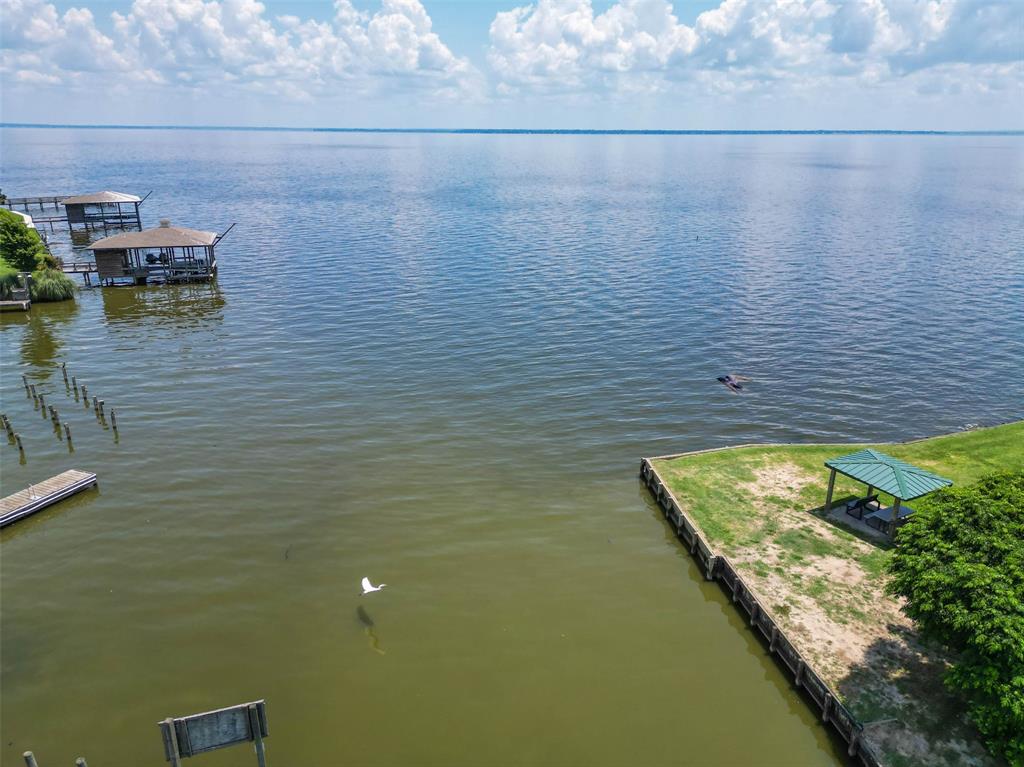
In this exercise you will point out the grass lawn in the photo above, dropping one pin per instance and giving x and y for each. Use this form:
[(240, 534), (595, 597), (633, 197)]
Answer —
[(762, 507)]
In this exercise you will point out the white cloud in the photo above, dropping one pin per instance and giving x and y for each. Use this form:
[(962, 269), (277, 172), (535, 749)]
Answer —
[(209, 43), (206, 58), (563, 45)]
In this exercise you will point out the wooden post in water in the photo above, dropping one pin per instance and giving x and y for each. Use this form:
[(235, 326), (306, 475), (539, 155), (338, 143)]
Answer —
[(80, 762), (101, 408), (32, 391), (64, 370), (74, 385), (85, 394), (42, 402), (113, 419), (171, 742), (21, 448), (96, 405), (24, 380), (30, 759), (257, 735)]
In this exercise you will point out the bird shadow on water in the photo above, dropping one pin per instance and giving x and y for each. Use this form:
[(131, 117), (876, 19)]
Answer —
[(368, 628)]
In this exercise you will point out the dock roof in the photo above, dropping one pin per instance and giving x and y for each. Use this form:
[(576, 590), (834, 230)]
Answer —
[(160, 237), (890, 475), (98, 197)]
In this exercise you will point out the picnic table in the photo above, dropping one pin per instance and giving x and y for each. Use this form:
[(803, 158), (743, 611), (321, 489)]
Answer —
[(887, 519)]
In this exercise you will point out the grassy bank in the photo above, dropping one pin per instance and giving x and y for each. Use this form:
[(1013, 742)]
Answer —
[(762, 507)]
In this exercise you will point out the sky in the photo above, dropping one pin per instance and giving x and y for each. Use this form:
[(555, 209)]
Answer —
[(592, 64)]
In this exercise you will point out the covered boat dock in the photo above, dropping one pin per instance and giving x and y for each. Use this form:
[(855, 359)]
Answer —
[(165, 254)]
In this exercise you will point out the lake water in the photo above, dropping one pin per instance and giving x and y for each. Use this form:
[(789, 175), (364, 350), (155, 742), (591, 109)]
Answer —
[(436, 360)]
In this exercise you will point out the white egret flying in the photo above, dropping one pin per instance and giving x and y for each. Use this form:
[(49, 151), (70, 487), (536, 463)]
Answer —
[(369, 588)]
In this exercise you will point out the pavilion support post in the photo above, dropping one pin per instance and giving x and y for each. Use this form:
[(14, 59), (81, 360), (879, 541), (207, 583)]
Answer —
[(895, 518), (831, 487)]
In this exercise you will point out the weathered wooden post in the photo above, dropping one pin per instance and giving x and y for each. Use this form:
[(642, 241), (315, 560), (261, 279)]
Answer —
[(96, 405), (42, 403), (24, 380), (30, 759), (74, 386), (64, 370), (113, 419), (257, 736), (21, 448), (101, 408), (32, 391), (85, 394), (80, 762), (67, 431)]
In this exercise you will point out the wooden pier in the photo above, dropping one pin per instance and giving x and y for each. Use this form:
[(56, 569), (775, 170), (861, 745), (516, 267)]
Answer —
[(37, 497)]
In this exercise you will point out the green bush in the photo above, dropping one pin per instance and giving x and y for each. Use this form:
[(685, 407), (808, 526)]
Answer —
[(959, 562), (51, 285), (20, 246), (8, 278)]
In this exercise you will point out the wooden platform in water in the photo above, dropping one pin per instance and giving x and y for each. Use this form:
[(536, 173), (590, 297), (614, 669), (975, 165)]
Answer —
[(15, 306), (36, 497)]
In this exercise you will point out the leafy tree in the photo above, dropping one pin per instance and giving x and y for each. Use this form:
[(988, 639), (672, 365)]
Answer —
[(20, 246), (959, 562)]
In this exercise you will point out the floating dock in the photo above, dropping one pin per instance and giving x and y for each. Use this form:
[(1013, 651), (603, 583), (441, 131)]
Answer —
[(37, 497)]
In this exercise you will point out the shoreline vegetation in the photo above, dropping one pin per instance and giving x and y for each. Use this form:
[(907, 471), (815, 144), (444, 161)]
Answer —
[(824, 581), (22, 253)]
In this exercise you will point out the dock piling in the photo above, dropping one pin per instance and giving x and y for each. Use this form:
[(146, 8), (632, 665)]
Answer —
[(64, 370), (24, 380), (80, 762), (67, 431), (30, 759), (113, 419), (101, 408), (42, 403), (96, 405), (21, 447), (32, 391)]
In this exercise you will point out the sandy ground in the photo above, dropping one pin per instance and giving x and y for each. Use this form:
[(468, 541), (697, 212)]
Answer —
[(841, 619)]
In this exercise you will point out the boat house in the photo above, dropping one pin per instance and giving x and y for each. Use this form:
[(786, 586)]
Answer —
[(101, 210), (164, 254)]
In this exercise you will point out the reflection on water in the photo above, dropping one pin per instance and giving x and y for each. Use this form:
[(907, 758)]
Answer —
[(442, 365), (368, 627), (42, 345), (171, 306)]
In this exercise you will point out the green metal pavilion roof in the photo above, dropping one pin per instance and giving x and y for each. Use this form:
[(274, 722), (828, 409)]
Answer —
[(890, 475)]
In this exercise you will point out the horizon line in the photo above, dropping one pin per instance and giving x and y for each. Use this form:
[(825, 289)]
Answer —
[(536, 131)]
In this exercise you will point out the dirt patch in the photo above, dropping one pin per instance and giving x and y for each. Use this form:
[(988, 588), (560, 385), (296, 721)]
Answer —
[(811, 576), (778, 479)]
